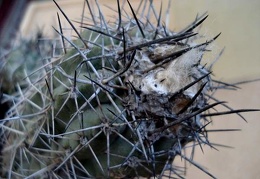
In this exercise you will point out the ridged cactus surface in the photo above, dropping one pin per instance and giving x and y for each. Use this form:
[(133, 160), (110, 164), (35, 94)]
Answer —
[(120, 101)]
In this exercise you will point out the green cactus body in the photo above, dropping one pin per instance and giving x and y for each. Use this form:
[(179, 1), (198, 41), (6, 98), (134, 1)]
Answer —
[(122, 102)]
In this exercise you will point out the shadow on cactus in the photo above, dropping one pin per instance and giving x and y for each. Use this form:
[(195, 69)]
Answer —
[(120, 101)]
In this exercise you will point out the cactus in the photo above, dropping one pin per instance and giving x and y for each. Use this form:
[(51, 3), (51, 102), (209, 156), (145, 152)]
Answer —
[(120, 101)]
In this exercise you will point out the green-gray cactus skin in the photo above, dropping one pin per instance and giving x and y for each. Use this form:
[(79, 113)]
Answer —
[(121, 101), (66, 121)]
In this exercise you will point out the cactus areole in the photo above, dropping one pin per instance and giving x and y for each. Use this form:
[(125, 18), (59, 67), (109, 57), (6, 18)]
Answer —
[(120, 101)]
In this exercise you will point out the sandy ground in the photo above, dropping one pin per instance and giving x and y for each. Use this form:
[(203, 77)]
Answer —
[(239, 23)]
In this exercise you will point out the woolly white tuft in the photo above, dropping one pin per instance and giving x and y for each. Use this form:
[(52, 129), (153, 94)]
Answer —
[(178, 73)]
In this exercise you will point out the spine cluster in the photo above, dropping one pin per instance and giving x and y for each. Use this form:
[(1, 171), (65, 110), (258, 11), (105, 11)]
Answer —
[(122, 100)]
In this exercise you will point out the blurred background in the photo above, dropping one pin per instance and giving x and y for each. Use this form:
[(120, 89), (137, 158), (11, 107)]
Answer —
[(239, 22)]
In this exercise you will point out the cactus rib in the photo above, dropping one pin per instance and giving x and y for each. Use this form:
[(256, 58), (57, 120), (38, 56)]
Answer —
[(122, 100)]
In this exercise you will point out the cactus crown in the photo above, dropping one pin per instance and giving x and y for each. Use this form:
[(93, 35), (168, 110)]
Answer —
[(122, 100)]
